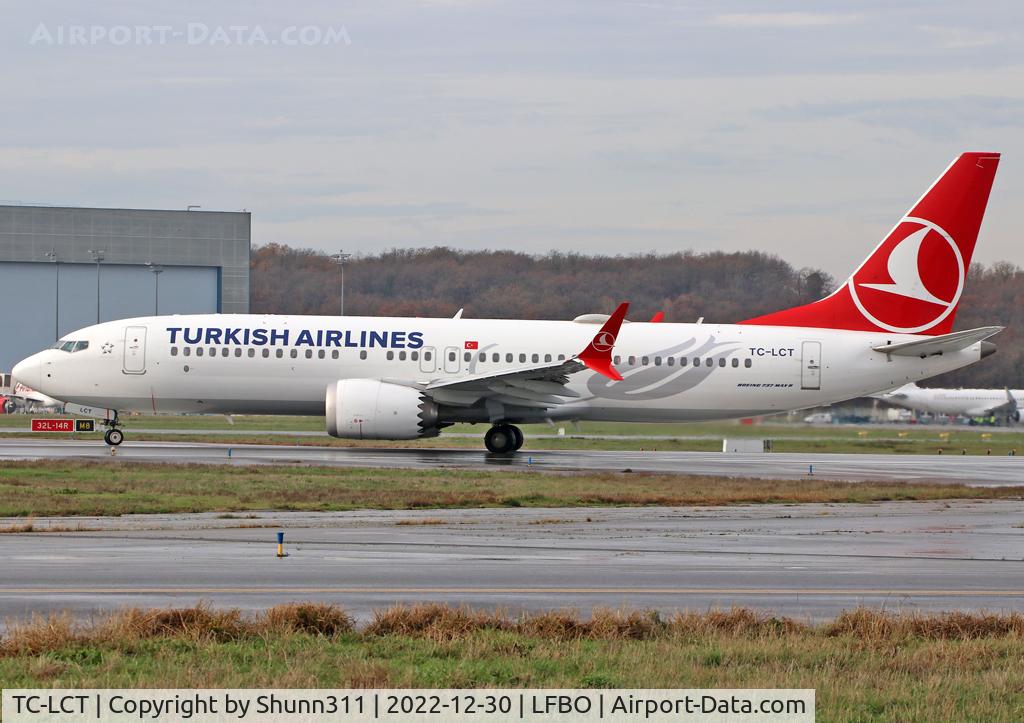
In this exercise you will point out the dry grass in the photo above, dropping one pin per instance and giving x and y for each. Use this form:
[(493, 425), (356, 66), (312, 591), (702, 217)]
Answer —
[(424, 521), (438, 622), (868, 624)]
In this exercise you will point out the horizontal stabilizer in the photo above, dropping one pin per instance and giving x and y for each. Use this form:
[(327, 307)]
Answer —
[(955, 341)]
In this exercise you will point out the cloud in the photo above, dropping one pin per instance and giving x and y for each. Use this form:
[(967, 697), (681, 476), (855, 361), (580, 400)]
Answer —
[(781, 20), (961, 38)]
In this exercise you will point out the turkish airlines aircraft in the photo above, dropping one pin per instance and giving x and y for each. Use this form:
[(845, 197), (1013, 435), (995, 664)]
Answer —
[(403, 378), (957, 402)]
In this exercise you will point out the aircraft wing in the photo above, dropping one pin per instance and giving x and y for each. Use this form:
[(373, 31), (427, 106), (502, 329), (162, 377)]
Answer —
[(1007, 407), (541, 386)]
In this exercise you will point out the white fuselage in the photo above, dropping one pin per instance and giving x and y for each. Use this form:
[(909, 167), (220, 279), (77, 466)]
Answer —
[(671, 372), (953, 402)]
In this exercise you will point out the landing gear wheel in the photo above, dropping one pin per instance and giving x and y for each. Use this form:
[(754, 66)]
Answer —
[(500, 439), (519, 439), (113, 437)]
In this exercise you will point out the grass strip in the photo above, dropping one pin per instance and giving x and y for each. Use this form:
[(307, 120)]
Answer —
[(865, 664), (67, 488)]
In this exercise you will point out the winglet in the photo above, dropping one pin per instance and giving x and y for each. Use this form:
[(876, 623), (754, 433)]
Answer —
[(657, 318), (598, 354)]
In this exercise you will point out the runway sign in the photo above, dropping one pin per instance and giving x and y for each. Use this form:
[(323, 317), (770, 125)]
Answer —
[(53, 425), (63, 425)]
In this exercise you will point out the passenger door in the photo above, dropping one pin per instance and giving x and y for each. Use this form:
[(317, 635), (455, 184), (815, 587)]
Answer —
[(451, 359), (134, 350), (810, 374)]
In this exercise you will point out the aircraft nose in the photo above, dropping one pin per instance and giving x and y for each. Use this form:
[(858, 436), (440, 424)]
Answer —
[(29, 372)]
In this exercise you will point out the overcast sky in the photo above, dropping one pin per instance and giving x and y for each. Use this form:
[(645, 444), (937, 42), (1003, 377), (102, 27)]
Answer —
[(802, 129)]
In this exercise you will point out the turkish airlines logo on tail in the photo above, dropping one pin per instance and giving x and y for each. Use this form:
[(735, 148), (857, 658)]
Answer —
[(603, 342), (913, 280)]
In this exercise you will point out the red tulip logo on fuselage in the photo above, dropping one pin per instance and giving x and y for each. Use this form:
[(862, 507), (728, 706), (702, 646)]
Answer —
[(604, 341), (913, 281)]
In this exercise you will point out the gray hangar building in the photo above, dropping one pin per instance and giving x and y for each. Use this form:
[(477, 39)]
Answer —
[(64, 268)]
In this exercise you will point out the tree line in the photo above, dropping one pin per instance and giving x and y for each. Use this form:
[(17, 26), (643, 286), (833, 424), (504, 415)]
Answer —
[(722, 287)]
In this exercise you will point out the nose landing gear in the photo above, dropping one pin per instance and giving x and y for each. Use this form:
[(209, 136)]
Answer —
[(113, 436), (503, 439)]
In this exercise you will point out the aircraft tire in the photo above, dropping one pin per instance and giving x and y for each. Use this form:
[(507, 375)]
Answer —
[(113, 437), (517, 433), (500, 439)]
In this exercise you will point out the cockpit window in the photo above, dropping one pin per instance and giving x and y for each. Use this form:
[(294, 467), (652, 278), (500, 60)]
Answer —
[(71, 346)]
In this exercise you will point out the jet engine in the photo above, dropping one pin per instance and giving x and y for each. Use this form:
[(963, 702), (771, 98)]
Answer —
[(1015, 415), (372, 409)]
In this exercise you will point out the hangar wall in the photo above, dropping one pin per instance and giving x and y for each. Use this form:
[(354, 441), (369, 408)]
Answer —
[(48, 277)]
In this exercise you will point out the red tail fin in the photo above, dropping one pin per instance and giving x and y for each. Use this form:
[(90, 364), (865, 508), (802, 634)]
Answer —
[(912, 282)]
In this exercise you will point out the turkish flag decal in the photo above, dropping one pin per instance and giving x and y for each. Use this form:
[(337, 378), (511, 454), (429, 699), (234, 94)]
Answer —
[(472, 345)]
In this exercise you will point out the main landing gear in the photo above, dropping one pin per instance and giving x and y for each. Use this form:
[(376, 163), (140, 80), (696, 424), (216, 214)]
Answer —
[(503, 439), (113, 436)]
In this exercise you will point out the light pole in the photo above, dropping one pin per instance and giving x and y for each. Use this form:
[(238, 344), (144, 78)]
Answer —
[(157, 270), (52, 255), (340, 258), (97, 256)]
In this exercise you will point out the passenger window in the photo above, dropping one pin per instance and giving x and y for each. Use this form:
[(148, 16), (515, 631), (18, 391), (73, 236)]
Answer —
[(467, 356), (321, 354), (187, 351), (174, 351), (657, 361), (682, 361), (401, 356), (309, 353), (617, 359), (199, 351), (522, 358), (508, 358), (238, 352), (547, 357), (561, 357), (535, 358), (495, 357), (362, 354), (735, 362), (709, 362), (294, 353), (266, 353), (645, 360), (212, 351), (632, 361), (721, 361), (414, 355), (426, 356), (280, 353), (251, 353), (334, 354), (451, 356), (225, 351), (670, 360), (746, 363), (390, 355), (696, 361)]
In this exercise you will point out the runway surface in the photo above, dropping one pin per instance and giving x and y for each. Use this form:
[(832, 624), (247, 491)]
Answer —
[(979, 470), (809, 561)]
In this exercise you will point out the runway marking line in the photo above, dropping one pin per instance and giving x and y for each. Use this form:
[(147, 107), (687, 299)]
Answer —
[(503, 590)]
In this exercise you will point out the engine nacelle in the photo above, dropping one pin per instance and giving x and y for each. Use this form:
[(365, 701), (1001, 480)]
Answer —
[(371, 409), (1015, 416)]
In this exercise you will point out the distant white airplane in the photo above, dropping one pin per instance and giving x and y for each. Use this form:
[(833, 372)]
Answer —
[(33, 400), (1002, 403), (403, 378)]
